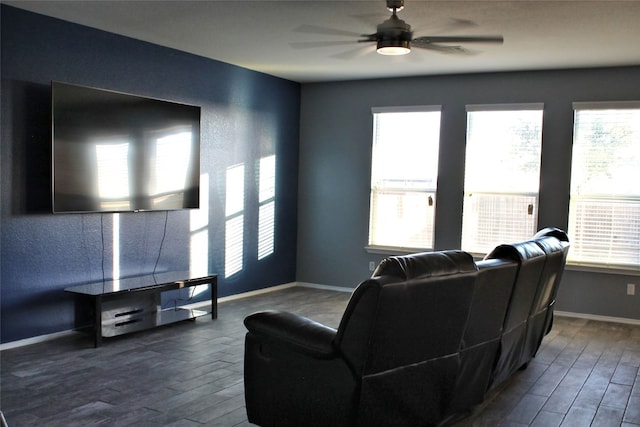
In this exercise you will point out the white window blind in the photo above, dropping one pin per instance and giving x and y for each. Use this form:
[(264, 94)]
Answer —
[(404, 173), (604, 210), (502, 175)]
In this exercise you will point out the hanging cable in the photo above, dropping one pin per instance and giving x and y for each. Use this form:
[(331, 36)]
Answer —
[(103, 249), (164, 234)]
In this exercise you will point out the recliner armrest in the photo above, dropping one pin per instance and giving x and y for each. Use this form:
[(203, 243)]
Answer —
[(299, 333)]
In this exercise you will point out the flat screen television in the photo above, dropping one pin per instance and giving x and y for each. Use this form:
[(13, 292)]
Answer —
[(117, 152)]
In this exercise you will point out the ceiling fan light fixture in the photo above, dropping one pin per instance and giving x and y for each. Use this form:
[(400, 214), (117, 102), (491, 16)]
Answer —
[(393, 47)]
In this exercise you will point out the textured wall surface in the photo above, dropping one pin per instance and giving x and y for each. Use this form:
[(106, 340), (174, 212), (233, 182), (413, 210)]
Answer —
[(335, 164), (245, 116)]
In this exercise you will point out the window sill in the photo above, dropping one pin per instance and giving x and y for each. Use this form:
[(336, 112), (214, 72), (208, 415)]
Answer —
[(590, 268), (605, 269), (394, 250)]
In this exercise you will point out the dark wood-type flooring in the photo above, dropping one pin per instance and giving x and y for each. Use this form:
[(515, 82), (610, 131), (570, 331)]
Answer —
[(190, 374)]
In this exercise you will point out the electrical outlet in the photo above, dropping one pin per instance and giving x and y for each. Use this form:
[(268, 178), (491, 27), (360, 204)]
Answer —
[(372, 265), (631, 289)]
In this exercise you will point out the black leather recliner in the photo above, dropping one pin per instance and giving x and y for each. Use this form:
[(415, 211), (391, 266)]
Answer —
[(393, 360), (419, 344), (480, 345), (501, 336), (531, 260), (563, 240), (530, 312)]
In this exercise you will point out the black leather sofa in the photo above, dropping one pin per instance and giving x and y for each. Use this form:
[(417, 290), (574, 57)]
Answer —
[(420, 343)]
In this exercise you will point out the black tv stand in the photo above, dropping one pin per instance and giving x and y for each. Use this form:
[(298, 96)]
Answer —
[(134, 304)]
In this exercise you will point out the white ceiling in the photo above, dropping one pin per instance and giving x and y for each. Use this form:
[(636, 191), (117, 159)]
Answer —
[(259, 34)]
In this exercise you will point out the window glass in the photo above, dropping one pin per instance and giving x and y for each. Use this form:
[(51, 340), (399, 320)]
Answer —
[(404, 173), (604, 211), (502, 175)]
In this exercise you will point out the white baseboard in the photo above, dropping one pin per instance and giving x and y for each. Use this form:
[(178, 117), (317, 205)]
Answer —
[(43, 338), (244, 295), (257, 292), (325, 287), (196, 305), (35, 340), (597, 317)]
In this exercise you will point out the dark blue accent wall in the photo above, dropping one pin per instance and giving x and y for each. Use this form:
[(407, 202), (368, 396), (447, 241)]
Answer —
[(245, 115)]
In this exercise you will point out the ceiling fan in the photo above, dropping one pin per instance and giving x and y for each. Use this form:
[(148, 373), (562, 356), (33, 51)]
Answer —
[(395, 37)]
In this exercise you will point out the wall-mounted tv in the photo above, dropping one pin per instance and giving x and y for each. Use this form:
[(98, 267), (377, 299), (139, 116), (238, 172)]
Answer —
[(117, 152)]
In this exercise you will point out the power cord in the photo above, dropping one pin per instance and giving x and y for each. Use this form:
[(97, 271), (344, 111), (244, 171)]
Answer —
[(164, 235)]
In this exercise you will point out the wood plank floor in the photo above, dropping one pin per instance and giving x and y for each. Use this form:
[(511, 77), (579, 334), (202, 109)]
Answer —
[(190, 374)]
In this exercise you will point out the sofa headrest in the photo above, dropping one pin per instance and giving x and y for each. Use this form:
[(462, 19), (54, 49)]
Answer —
[(520, 252), (552, 231), (426, 264), (551, 244)]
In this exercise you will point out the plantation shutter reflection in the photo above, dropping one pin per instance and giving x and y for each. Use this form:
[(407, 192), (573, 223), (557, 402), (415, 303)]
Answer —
[(266, 211), (234, 224)]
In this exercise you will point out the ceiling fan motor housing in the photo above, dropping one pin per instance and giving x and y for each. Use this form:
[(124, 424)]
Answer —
[(394, 32), (396, 5), (393, 43)]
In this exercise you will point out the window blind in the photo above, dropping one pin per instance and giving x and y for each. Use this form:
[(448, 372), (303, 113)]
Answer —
[(502, 174), (404, 172), (604, 209)]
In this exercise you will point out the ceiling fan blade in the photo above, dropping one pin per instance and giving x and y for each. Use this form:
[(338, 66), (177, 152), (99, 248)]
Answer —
[(312, 45), (354, 53), (368, 38), (457, 39), (461, 23), (370, 19), (453, 24), (458, 50), (314, 29)]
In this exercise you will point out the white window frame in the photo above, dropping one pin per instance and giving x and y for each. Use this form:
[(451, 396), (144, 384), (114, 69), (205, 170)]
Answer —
[(419, 194), (598, 242), (513, 204)]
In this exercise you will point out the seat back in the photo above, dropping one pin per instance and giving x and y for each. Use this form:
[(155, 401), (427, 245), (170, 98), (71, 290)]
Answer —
[(553, 265), (496, 278), (563, 239), (481, 341), (531, 259), (401, 333), (413, 308)]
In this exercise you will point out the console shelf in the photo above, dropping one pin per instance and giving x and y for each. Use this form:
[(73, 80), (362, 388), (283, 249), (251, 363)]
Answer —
[(134, 304)]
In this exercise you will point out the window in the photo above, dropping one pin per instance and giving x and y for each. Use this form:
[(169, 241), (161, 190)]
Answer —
[(502, 175), (404, 172), (604, 210)]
